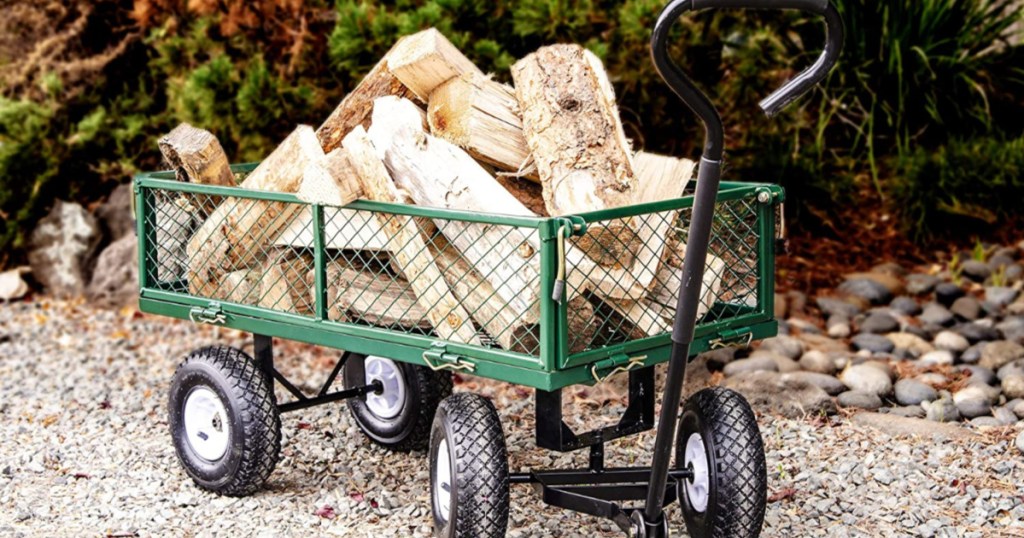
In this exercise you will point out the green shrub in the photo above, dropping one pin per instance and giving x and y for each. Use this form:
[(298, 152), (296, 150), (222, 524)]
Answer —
[(965, 182)]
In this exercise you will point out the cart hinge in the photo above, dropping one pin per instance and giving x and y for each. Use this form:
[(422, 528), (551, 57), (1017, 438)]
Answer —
[(737, 337), (438, 358), (213, 314)]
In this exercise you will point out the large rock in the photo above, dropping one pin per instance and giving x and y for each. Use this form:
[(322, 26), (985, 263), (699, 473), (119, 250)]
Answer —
[(116, 213), (867, 378), (859, 400), (116, 279), (63, 249), (770, 392), (974, 401), (827, 383), (760, 363), (996, 354)]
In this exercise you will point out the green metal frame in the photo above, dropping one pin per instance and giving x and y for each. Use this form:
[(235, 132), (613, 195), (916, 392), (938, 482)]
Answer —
[(551, 369)]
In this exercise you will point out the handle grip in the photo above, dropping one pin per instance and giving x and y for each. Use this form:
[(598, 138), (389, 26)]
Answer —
[(812, 6)]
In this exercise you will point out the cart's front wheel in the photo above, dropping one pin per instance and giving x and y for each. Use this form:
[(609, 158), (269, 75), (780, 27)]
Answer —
[(468, 469), (224, 421), (719, 442), (398, 415)]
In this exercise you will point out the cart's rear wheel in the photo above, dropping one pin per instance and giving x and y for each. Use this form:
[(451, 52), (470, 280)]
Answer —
[(398, 416), (468, 469), (224, 421), (720, 443)]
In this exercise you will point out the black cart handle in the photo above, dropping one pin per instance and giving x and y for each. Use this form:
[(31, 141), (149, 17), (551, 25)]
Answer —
[(779, 99)]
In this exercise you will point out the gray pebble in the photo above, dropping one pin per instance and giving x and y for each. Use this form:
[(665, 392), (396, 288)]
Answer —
[(947, 292), (838, 326), (979, 374), (910, 411), (905, 305), (874, 343), (1020, 442), (1013, 386), (786, 346), (938, 357), (942, 410), (951, 341), (913, 392), (920, 283), (753, 364), (1004, 415), (936, 314), (976, 270), (972, 354), (977, 332), (827, 383), (966, 308), (996, 354), (867, 378), (1000, 295), (859, 400), (1012, 329), (867, 289), (817, 361), (985, 422), (833, 306), (879, 323)]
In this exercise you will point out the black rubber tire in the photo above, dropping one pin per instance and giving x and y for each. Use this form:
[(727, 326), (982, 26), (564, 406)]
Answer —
[(410, 430), (253, 422), (479, 464), (737, 468)]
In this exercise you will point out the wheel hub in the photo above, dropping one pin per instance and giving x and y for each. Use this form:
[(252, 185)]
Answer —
[(387, 402), (443, 481), (698, 485), (205, 424)]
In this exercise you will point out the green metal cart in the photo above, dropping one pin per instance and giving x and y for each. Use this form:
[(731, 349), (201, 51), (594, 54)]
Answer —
[(326, 276)]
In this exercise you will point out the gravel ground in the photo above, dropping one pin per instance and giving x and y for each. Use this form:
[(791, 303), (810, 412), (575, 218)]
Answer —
[(85, 452)]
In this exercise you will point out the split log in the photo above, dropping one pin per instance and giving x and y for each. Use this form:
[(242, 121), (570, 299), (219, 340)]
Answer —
[(357, 107), (425, 60), (330, 181), (405, 242), (196, 156), (239, 230), (665, 293), (173, 221), (572, 127), (242, 287), (283, 284), (481, 116), (357, 295), (439, 174)]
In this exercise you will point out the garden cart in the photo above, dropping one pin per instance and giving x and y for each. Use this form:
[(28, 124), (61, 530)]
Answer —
[(396, 370)]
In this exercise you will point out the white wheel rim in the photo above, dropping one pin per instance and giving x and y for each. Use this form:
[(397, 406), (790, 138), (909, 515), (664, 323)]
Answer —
[(206, 424), (698, 486), (443, 481), (389, 401)]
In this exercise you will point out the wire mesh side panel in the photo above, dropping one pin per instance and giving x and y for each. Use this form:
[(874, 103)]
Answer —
[(466, 282), (233, 249), (625, 274)]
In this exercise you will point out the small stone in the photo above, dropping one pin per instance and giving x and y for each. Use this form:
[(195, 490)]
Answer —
[(912, 392), (951, 341), (976, 270), (913, 344), (1012, 329), (1005, 416), (874, 343), (947, 292), (933, 379), (827, 383), (753, 364), (832, 306), (985, 422), (884, 477), (996, 354), (63, 248), (1020, 442), (859, 400), (786, 346), (1018, 409), (941, 410), (883, 367), (866, 378), (879, 323), (972, 354), (910, 411), (1013, 387), (972, 401), (838, 326), (1010, 369), (868, 289), (936, 314), (966, 308), (939, 357), (920, 283), (977, 332), (1000, 295), (817, 361), (979, 374), (905, 305)]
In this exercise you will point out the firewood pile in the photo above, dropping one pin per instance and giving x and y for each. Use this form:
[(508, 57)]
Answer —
[(427, 127)]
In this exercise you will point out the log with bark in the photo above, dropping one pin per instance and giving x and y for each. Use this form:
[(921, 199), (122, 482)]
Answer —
[(283, 285), (406, 245), (240, 230), (329, 181), (196, 156)]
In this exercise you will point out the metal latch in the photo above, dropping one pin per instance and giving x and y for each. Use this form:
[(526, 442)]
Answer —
[(212, 314), (738, 338), (617, 363), (568, 226), (438, 358)]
